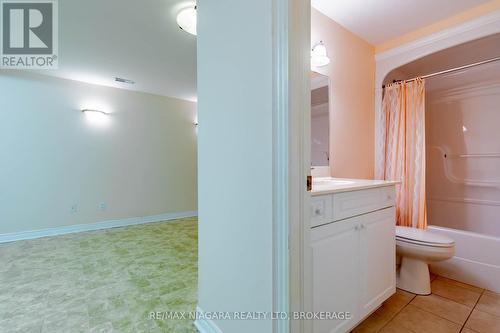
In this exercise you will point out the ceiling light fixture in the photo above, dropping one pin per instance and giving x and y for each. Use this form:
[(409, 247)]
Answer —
[(186, 20), (319, 55)]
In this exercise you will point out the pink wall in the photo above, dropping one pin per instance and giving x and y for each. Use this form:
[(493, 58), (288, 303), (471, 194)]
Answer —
[(463, 118), (352, 84)]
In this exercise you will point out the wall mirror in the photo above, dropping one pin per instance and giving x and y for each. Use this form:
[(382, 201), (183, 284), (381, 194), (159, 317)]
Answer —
[(320, 124)]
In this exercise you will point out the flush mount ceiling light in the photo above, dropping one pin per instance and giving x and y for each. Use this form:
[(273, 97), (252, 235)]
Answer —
[(319, 57), (186, 20)]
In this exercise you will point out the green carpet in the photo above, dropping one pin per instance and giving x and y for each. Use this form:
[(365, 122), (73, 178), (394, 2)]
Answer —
[(101, 281)]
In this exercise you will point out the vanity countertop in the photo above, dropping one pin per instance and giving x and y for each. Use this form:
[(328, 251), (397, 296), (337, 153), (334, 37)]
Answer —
[(328, 185)]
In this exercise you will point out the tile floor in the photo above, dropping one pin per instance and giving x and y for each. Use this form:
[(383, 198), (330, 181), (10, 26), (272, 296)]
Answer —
[(101, 281), (452, 307)]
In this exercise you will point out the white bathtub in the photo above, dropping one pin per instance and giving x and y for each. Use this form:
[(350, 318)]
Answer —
[(476, 260)]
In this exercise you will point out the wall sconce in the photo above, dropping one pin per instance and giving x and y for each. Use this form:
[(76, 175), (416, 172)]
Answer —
[(96, 117), (319, 55)]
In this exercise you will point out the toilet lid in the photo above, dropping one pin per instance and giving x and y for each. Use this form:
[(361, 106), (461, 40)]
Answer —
[(419, 236)]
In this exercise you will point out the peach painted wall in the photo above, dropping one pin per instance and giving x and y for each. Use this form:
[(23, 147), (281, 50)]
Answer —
[(454, 20), (352, 84)]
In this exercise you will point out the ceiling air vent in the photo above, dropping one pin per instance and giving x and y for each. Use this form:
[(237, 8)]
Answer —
[(122, 80)]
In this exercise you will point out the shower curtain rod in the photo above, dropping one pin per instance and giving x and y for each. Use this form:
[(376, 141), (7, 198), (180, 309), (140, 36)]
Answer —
[(451, 70)]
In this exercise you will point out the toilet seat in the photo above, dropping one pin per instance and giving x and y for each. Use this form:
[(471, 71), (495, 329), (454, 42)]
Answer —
[(422, 237)]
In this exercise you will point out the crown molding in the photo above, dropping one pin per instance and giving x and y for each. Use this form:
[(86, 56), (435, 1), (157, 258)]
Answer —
[(443, 35)]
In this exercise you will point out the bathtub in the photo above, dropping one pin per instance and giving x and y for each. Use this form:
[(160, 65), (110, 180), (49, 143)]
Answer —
[(476, 260)]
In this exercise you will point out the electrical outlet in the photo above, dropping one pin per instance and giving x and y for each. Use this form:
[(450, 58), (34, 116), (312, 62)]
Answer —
[(74, 209), (103, 206)]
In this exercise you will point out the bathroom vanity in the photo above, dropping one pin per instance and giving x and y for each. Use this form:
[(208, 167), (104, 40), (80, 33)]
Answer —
[(353, 249)]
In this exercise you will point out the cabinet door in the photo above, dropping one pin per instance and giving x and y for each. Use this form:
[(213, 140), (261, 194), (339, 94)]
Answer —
[(335, 251), (378, 256)]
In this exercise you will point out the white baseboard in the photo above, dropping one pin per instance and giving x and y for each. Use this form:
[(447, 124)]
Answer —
[(15, 236), (204, 325), (469, 271)]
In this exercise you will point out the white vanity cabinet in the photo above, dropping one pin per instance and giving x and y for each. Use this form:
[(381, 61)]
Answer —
[(353, 254), (377, 259)]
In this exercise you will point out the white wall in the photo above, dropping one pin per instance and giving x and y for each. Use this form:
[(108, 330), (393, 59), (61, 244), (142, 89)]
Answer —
[(235, 160), (143, 162)]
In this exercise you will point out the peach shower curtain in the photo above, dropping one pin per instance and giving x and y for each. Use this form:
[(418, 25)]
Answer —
[(403, 118)]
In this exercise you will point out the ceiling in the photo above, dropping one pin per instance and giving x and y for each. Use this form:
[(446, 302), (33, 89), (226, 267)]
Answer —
[(139, 40), (136, 40), (378, 21)]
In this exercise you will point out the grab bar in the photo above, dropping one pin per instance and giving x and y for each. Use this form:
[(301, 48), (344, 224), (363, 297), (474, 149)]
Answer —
[(468, 182)]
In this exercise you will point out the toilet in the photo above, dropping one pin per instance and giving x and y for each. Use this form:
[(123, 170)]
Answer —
[(415, 249)]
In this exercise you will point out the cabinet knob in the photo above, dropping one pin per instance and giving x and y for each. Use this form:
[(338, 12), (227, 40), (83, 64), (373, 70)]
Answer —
[(317, 211), (356, 228)]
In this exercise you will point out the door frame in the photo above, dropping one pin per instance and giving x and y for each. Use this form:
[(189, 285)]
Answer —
[(291, 162)]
